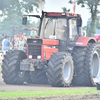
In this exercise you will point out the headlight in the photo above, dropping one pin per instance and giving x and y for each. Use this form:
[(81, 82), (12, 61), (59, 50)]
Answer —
[(38, 57), (30, 56)]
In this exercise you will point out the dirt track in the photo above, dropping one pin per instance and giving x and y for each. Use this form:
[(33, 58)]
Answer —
[(33, 87)]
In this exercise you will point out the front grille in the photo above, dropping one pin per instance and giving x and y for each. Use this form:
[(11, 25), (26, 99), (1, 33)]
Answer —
[(34, 50)]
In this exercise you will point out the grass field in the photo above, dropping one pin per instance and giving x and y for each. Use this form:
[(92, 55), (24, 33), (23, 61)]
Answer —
[(46, 93)]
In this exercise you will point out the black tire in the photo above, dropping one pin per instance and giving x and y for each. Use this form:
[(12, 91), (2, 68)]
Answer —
[(83, 59), (92, 64), (57, 71), (11, 68), (79, 78), (5, 62), (39, 77)]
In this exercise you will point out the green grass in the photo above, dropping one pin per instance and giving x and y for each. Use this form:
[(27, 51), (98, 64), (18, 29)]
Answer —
[(46, 93)]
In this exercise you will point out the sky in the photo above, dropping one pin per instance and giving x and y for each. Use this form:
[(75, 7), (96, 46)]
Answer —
[(56, 6)]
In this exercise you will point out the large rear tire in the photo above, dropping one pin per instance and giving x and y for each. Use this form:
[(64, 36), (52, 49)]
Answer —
[(92, 64), (11, 68), (60, 71), (87, 65)]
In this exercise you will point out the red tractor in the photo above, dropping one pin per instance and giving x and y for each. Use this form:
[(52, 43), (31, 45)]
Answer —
[(59, 55), (30, 32)]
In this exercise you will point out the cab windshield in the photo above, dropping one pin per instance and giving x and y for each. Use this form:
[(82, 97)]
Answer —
[(54, 28)]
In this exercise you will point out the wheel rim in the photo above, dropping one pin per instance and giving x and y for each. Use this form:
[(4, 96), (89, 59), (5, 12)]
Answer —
[(21, 73), (95, 68), (67, 71)]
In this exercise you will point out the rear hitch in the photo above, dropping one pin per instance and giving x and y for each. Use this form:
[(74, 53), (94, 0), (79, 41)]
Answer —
[(31, 65)]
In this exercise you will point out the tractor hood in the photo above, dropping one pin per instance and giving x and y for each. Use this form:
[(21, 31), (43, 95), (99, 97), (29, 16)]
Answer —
[(42, 41), (41, 48)]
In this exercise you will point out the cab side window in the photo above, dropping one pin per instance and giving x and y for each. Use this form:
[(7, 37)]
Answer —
[(72, 29)]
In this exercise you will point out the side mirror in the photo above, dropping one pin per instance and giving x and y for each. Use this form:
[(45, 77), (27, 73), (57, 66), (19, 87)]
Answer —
[(24, 21), (79, 22)]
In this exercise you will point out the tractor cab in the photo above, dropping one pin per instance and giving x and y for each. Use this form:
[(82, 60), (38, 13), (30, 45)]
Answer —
[(63, 27), (58, 25), (29, 32)]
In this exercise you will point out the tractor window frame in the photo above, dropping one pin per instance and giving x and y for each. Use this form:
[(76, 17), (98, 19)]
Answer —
[(73, 30)]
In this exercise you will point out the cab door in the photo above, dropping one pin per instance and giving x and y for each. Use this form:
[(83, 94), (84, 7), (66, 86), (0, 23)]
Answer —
[(73, 34)]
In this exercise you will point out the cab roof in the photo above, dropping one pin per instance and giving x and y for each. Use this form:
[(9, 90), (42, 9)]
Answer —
[(60, 14)]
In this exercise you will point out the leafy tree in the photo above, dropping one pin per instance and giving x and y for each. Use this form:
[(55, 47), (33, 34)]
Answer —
[(98, 22), (93, 8), (12, 11), (65, 9), (19, 6), (84, 28)]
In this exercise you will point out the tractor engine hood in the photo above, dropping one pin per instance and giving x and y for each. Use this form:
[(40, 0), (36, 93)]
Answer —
[(41, 48), (42, 41)]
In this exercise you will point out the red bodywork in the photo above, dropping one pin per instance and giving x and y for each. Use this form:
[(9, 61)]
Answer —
[(83, 41), (48, 47), (30, 28), (62, 14), (97, 37)]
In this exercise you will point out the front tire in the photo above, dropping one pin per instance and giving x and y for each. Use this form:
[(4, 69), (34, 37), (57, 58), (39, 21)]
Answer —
[(11, 68), (79, 78), (60, 71), (39, 77)]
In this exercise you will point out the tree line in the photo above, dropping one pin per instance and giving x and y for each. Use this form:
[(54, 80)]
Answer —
[(12, 12)]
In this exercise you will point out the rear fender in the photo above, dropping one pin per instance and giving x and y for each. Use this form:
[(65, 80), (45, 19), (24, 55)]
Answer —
[(83, 41)]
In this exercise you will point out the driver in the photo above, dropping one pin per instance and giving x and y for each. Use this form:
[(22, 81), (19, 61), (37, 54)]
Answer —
[(60, 30), (60, 27)]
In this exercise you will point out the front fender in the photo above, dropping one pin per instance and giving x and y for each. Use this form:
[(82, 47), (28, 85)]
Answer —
[(83, 41)]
